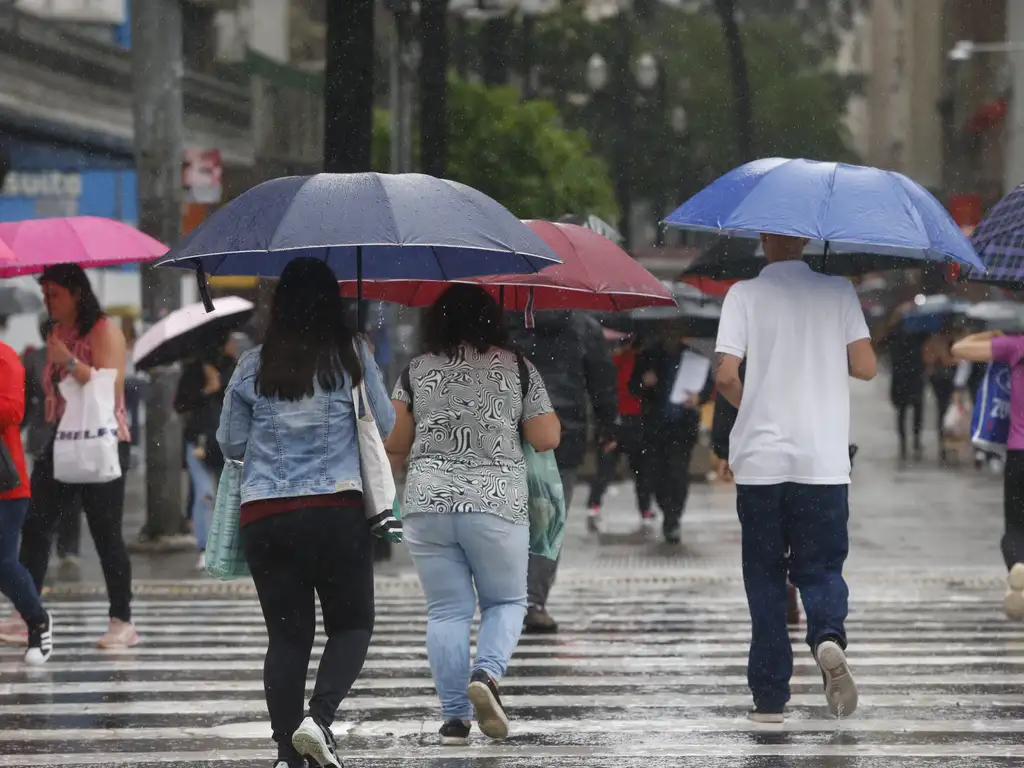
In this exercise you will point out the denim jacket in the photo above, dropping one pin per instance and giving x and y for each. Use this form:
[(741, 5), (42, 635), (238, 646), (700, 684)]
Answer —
[(306, 447)]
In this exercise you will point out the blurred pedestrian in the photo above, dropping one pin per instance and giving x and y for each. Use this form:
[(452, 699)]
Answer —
[(570, 353), (461, 417), (81, 340), (940, 369), (673, 381), (15, 581), (906, 389), (199, 399), (629, 441), (288, 414), (802, 335), (982, 348)]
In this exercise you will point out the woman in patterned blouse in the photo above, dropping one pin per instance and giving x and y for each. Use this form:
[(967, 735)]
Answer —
[(461, 419)]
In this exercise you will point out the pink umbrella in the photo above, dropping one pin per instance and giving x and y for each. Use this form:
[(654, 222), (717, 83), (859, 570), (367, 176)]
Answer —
[(88, 241), (596, 274)]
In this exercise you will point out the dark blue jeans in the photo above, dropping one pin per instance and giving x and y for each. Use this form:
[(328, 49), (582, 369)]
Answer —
[(15, 580), (799, 530)]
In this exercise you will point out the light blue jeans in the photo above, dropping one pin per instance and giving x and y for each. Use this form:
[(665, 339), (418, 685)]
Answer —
[(204, 495), (451, 553)]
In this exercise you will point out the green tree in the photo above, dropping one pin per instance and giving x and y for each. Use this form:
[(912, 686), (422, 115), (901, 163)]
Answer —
[(798, 100), (518, 153)]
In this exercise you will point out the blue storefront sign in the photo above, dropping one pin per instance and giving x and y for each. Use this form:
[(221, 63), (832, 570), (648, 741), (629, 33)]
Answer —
[(50, 179)]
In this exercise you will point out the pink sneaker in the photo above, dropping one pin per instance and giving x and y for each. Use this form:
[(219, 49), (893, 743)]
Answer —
[(13, 630), (120, 634)]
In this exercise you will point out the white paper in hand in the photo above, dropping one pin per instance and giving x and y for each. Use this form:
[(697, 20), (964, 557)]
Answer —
[(690, 378)]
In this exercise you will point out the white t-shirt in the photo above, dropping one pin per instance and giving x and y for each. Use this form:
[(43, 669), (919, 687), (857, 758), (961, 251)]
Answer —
[(793, 326)]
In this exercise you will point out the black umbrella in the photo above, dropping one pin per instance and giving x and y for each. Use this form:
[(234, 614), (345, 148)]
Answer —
[(15, 300), (695, 313), (737, 258)]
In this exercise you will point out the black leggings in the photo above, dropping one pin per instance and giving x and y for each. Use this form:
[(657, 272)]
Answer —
[(103, 505), (1013, 508), (631, 443), (292, 555), (917, 412)]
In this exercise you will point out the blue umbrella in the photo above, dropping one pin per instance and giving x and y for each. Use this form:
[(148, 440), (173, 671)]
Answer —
[(999, 241), (848, 208), (364, 225)]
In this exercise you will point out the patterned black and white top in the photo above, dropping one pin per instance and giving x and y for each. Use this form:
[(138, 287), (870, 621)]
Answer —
[(467, 455)]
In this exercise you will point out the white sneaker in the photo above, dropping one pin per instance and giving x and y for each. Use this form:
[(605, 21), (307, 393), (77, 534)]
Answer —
[(316, 743), (201, 565), (120, 634), (40, 643), (840, 687), (1013, 602)]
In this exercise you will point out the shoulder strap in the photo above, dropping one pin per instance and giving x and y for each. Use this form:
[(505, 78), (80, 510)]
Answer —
[(524, 377), (407, 384)]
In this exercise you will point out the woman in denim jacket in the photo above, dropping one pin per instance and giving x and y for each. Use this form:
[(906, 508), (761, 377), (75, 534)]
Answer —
[(288, 415)]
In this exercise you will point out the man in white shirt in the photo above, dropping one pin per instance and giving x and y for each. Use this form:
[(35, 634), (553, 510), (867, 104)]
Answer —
[(802, 335)]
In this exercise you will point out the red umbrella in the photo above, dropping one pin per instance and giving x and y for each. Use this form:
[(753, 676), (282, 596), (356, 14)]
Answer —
[(709, 285), (88, 241), (596, 274)]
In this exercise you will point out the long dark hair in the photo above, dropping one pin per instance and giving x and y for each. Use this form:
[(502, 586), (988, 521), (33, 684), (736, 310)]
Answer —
[(465, 314), (73, 278), (308, 338)]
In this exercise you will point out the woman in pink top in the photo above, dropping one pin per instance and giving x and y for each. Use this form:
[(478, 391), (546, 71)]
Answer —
[(983, 348), (82, 339)]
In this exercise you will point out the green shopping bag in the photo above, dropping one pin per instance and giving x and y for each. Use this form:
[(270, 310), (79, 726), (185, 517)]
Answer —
[(224, 557), (546, 503), (394, 536)]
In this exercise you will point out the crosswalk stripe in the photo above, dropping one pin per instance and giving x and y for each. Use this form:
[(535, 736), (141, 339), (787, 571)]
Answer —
[(657, 673)]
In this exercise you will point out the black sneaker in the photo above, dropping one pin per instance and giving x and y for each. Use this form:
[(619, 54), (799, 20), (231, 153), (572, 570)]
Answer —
[(539, 622), (454, 733), (316, 743), (40, 643), (490, 714), (671, 531)]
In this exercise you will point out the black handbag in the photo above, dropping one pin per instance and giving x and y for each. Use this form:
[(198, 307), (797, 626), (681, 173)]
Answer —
[(9, 477)]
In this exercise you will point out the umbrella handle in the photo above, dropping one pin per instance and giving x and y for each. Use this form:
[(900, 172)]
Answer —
[(204, 288)]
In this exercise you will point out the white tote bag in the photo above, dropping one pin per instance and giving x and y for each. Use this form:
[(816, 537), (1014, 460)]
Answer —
[(378, 482), (85, 447)]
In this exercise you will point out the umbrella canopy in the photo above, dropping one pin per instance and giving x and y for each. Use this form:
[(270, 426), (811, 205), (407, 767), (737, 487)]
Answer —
[(595, 274), (999, 241), (698, 312), (930, 312), (1007, 316), (852, 208), (595, 223), (734, 258), (15, 300), (89, 241), (185, 330), (370, 226)]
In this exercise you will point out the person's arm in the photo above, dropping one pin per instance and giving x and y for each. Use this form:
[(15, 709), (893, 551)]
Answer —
[(860, 355), (12, 388), (236, 415), (641, 368), (731, 346), (976, 348), (399, 443), (602, 380), (727, 377), (541, 427)]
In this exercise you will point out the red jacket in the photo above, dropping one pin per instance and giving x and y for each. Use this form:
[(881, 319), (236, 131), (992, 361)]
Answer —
[(629, 404), (12, 409)]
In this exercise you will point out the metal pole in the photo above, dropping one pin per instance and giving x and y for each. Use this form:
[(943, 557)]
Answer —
[(157, 73)]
